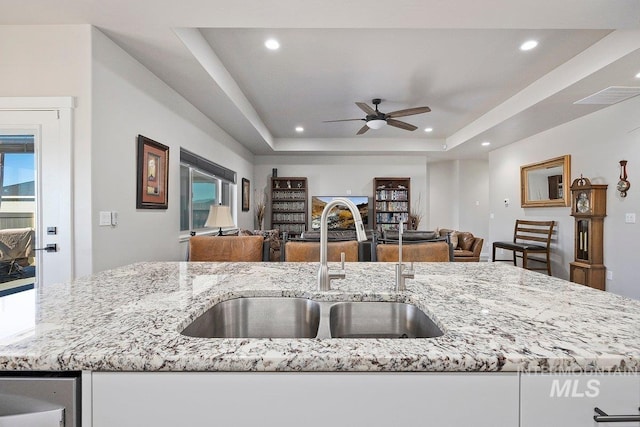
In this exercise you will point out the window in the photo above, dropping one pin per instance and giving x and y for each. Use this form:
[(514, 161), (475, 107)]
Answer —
[(202, 184)]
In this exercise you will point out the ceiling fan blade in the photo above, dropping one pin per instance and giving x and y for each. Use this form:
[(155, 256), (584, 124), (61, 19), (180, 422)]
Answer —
[(364, 107), (362, 130), (409, 112), (401, 125), (344, 120)]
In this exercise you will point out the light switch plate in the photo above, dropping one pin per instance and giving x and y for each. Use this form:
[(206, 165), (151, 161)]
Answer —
[(630, 218), (105, 218)]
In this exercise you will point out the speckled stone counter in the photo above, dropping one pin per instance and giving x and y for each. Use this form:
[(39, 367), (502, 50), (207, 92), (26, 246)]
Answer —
[(495, 317)]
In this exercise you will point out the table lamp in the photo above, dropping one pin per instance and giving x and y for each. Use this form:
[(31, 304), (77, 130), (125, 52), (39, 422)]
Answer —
[(219, 216)]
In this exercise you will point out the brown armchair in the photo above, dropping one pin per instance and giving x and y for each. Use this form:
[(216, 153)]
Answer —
[(466, 246), (226, 248)]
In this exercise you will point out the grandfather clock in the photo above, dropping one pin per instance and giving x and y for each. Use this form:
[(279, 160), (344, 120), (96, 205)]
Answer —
[(588, 207)]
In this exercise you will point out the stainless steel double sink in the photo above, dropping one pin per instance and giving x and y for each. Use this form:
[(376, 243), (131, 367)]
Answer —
[(283, 317)]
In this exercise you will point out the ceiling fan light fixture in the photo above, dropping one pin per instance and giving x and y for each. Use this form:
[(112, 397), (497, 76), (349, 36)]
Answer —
[(376, 124)]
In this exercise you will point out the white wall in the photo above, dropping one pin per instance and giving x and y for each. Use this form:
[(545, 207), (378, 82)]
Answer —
[(596, 143), (129, 100), (460, 197), (54, 60), (337, 175)]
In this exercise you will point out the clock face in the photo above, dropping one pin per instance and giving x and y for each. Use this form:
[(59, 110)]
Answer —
[(582, 203), (623, 185)]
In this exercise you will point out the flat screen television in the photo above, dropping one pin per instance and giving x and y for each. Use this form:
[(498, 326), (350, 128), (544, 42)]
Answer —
[(340, 217)]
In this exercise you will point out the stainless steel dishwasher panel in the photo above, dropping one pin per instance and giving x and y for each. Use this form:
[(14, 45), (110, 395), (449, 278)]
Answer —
[(27, 401)]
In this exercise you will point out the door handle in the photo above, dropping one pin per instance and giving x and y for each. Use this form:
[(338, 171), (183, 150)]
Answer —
[(603, 417), (51, 247)]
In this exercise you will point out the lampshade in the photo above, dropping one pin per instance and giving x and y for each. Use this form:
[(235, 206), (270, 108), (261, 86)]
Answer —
[(376, 124), (219, 216)]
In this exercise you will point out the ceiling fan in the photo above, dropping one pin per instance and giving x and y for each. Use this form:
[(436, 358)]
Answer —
[(376, 119)]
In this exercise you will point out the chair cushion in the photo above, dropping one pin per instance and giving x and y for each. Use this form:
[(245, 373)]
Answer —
[(519, 246), (462, 253)]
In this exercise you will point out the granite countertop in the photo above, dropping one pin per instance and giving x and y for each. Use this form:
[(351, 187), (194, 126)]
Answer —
[(496, 317)]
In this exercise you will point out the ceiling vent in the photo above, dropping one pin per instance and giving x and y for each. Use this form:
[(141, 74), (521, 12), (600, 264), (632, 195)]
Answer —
[(610, 95)]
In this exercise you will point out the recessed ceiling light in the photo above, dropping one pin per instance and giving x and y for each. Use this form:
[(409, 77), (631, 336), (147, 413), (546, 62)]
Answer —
[(638, 76), (428, 129), (486, 144), (299, 129), (272, 44), (528, 45)]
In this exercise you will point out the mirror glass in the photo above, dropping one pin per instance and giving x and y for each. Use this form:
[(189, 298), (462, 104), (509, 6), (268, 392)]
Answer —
[(545, 183)]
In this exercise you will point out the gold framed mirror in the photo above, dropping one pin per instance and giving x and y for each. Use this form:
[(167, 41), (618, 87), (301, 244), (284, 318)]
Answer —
[(546, 184)]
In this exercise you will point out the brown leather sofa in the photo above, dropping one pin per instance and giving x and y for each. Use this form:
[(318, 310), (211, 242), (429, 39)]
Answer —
[(437, 251), (295, 251), (364, 248), (412, 237), (228, 248), (467, 247)]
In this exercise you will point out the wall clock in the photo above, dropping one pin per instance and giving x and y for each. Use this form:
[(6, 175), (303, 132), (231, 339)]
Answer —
[(588, 207), (623, 184)]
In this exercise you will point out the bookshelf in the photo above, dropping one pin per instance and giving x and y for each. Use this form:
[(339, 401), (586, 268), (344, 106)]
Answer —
[(391, 202), (289, 204)]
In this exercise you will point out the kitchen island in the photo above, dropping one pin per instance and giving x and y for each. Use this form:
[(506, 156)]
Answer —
[(496, 319)]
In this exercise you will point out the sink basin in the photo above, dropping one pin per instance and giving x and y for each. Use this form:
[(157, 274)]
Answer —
[(380, 320), (258, 317), (282, 317)]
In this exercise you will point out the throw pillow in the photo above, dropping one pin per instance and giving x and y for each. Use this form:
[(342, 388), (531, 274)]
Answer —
[(453, 236)]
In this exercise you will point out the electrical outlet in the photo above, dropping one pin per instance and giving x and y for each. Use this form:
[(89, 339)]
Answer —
[(630, 218), (609, 275), (506, 203)]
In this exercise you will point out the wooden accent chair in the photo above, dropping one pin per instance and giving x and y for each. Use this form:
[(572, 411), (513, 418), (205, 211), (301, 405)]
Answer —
[(226, 248), (439, 251), (310, 251), (529, 237)]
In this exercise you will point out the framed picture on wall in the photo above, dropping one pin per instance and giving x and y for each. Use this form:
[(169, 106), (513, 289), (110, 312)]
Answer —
[(246, 190), (153, 174)]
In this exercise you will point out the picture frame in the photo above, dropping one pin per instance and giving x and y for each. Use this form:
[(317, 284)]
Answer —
[(153, 174), (246, 191)]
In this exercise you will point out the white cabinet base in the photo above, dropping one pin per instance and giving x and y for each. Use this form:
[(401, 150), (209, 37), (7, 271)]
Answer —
[(309, 399), (568, 400)]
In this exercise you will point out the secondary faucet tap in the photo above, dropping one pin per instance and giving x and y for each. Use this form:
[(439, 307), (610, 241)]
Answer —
[(401, 273), (324, 275)]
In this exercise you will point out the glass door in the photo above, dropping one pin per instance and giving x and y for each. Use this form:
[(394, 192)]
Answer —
[(36, 185), (17, 211)]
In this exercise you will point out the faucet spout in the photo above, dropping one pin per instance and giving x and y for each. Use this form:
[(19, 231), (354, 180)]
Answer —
[(324, 275)]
